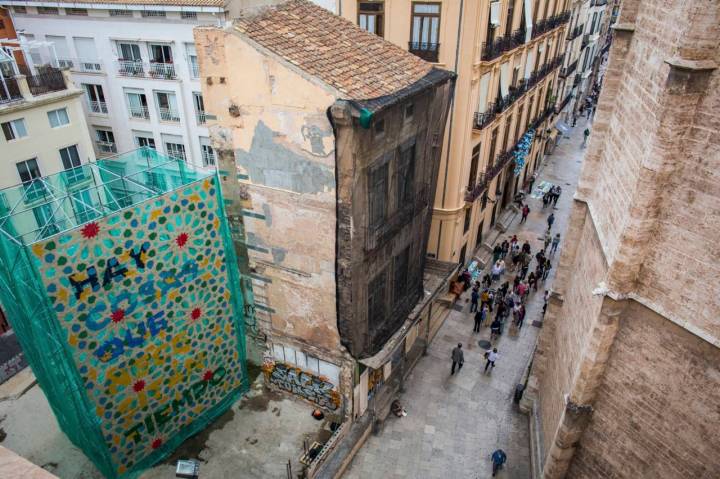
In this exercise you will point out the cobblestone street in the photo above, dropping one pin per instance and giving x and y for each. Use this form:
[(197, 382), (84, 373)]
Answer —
[(455, 422)]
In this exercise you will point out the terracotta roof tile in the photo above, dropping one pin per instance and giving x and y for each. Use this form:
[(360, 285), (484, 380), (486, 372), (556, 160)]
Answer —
[(357, 63)]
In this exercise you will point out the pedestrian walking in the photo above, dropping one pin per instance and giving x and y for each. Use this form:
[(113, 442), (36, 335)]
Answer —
[(526, 247), (458, 358), (546, 298), (525, 213), (480, 317), (474, 297), (574, 122), (495, 329), (586, 133), (546, 199), (548, 239), (550, 220), (498, 459), (497, 252), (548, 267), (504, 247), (556, 195), (532, 280), (555, 243), (491, 355), (486, 281), (521, 316)]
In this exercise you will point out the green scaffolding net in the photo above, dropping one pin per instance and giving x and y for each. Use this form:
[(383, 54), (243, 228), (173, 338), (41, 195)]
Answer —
[(120, 280)]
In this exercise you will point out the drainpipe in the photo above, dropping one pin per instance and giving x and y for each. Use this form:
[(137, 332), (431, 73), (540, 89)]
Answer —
[(452, 111)]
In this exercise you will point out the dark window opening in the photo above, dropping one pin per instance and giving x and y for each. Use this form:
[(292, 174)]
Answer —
[(378, 195), (468, 217), (376, 301), (474, 162), (406, 175), (379, 127), (402, 277)]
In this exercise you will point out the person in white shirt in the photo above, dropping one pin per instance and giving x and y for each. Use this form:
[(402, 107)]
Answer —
[(491, 356)]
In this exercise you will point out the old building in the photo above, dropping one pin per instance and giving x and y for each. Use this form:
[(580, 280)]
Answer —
[(507, 55), (626, 379), (329, 141)]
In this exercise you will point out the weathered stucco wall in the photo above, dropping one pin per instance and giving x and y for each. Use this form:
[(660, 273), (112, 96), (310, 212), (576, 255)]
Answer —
[(272, 124), (367, 251)]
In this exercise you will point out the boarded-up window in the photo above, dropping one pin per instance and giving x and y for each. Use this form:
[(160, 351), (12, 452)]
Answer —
[(378, 194), (402, 279), (406, 175), (376, 300)]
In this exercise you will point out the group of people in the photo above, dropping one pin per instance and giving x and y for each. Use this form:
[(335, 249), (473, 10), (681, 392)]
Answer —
[(551, 196)]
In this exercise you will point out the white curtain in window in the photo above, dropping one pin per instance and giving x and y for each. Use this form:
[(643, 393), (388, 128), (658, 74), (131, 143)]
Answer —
[(483, 93), (505, 79), (172, 101), (85, 48), (495, 13), (529, 63), (527, 4)]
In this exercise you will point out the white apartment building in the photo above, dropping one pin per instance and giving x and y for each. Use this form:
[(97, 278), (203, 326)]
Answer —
[(136, 63)]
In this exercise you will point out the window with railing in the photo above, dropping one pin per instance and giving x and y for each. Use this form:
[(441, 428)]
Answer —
[(208, 153), (199, 105), (137, 105), (19, 9), (105, 141), (81, 12), (48, 10), (425, 32), (371, 16), (152, 13), (175, 150), (95, 98), (167, 106), (120, 13), (188, 15)]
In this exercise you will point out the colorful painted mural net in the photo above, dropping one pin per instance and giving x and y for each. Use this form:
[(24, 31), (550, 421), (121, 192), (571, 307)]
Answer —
[(121, 283)]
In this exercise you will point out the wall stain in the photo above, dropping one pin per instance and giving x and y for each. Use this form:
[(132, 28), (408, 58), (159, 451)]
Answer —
[(272, 164)]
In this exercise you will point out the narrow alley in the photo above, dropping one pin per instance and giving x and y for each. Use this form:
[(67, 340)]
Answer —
[(454, 423)]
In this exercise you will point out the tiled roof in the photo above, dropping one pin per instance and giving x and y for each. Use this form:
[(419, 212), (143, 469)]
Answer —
[(165, 3), (357, 63)]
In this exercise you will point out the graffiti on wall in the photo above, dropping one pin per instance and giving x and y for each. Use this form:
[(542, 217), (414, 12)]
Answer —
[(316, 389), (142, 297)]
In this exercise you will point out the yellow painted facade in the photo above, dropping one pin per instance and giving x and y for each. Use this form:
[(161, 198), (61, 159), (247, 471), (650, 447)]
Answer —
[(461, 40)]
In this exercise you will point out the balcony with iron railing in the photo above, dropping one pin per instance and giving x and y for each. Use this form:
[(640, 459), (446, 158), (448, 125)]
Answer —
[(543, 26), (500, 45), (568, 70), (81, 65), (576, 32), (140, 112), (598, 3), (47, 82), (585, 40), (169, 114), (201, 117), (503, 159), (194, 70), (482, 120), (133, 68), (427, 51), (99, 107)]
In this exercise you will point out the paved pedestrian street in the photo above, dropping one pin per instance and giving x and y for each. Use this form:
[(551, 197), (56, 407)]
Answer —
[(454, 423)]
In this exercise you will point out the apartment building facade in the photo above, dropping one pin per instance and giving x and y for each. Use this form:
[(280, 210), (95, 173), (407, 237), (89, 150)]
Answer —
[(507, 55), (625, 381), (43, 133), (137, 65)]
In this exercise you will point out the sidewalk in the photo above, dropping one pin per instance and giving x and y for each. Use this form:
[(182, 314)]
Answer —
[(454, 423)]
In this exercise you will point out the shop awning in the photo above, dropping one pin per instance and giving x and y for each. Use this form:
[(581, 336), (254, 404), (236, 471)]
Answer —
[(562, 127)]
